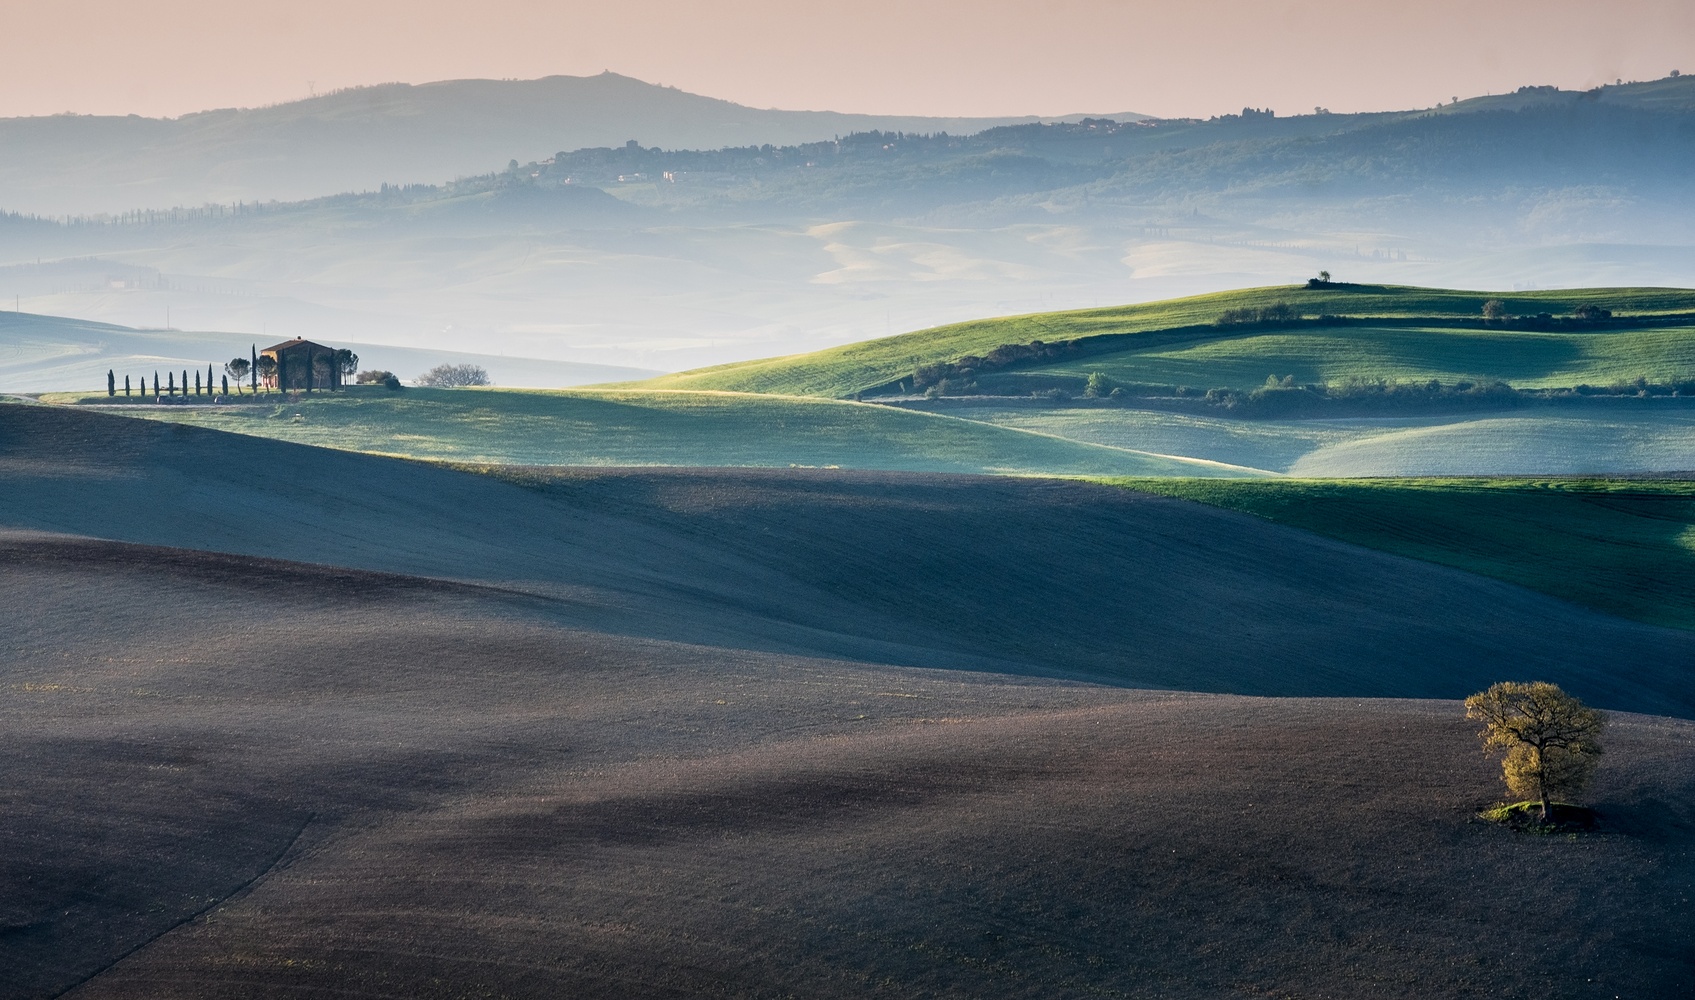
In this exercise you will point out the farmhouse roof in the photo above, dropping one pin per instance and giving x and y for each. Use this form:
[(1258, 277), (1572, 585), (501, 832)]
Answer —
[(296, 342)]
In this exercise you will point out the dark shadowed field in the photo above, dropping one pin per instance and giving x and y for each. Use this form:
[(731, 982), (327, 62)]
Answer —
[(1017, 575), (661, 735)]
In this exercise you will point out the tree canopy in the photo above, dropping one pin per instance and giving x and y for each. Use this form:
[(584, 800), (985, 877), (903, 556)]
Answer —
[(1551, 740)]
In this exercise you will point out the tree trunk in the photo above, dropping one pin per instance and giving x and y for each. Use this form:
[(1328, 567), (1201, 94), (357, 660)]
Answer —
[(1542, 784)]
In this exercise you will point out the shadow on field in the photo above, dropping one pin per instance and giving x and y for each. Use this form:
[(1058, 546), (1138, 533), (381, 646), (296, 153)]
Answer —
[(1030, 576), (482, 761)]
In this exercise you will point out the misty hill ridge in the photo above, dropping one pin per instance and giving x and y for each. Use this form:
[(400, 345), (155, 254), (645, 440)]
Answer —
[(360, 138), (394, 133)]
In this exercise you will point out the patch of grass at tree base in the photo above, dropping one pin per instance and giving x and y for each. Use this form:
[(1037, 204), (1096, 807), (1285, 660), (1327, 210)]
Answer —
[(1527, 817)]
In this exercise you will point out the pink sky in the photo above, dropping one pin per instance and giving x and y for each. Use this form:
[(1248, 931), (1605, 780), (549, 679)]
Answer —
[(937, 57)]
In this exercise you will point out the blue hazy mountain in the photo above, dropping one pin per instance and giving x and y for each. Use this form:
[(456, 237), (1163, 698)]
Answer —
[(393, 133)]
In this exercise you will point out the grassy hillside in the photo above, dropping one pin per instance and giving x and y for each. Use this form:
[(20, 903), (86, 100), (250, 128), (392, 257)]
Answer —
[(843, 371), (1623, 547), (1578, 438), (613, 428), (1342, 353)]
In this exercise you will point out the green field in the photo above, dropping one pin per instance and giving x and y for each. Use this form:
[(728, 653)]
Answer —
[(616, 428), (1622, 547), (1594, 437), (1339, 354), (841, 372)]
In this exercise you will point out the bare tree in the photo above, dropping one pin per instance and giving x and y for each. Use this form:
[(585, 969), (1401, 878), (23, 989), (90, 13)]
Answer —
[(449, 376), (1551, 739)]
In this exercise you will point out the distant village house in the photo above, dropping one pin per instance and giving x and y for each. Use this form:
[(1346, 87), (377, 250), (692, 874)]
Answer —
[(302, 365)]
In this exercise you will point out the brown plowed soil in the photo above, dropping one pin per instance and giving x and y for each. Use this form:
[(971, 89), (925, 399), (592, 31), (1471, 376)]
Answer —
[(218, 790), (239, 775)]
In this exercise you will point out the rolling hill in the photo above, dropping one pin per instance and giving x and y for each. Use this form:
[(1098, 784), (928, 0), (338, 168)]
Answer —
[(1164, 354), (336, 782), (1552, 438), (1178, 342), (616, 428), (285, 720), (1062, 577)]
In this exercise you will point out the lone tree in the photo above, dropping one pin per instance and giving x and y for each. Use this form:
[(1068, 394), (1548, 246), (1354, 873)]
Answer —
[(347, 362), (448, 376), (266, 369), (1494, 310), (1551, 739), (237, 368)]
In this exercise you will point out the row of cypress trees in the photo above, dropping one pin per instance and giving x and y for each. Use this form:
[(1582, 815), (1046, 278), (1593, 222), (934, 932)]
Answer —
[(171, 387)]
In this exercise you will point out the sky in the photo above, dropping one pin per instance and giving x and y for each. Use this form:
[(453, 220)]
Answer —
[(923, 57)]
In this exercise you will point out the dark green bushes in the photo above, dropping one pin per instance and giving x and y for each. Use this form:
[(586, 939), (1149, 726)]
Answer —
[(1277, 312)]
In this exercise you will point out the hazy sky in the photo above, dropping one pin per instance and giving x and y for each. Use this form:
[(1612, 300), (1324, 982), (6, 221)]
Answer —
[(940, 57)]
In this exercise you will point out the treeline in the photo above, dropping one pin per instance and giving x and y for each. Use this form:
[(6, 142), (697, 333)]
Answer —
[(955, 377), (959, 377), (1283, 397)]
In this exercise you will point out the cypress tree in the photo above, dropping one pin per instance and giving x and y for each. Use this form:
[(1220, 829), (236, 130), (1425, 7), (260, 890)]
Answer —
[(111, 383), (155, 383), (224, 380), (196, 381), (170, 383), (208, 380), (255, 369), (126, 386), (185, 382)]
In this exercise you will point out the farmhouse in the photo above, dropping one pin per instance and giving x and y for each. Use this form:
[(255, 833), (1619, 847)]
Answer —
[(302, 364)]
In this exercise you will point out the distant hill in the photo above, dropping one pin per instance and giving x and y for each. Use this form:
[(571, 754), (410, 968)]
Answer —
[(1117, 337), (395, 133), (674, 259)]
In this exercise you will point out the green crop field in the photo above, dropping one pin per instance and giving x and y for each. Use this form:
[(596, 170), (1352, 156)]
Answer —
[(611, 428), (1339, 354), (843, 371), (1593, 437), (1623, 547)]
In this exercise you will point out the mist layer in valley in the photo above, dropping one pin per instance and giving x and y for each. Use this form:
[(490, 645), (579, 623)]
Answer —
[(664, 258)]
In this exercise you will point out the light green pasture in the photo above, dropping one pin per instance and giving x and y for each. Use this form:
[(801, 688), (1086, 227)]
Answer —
[(1363, 353), (1622, 436), (842, 371), (618, 428)]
